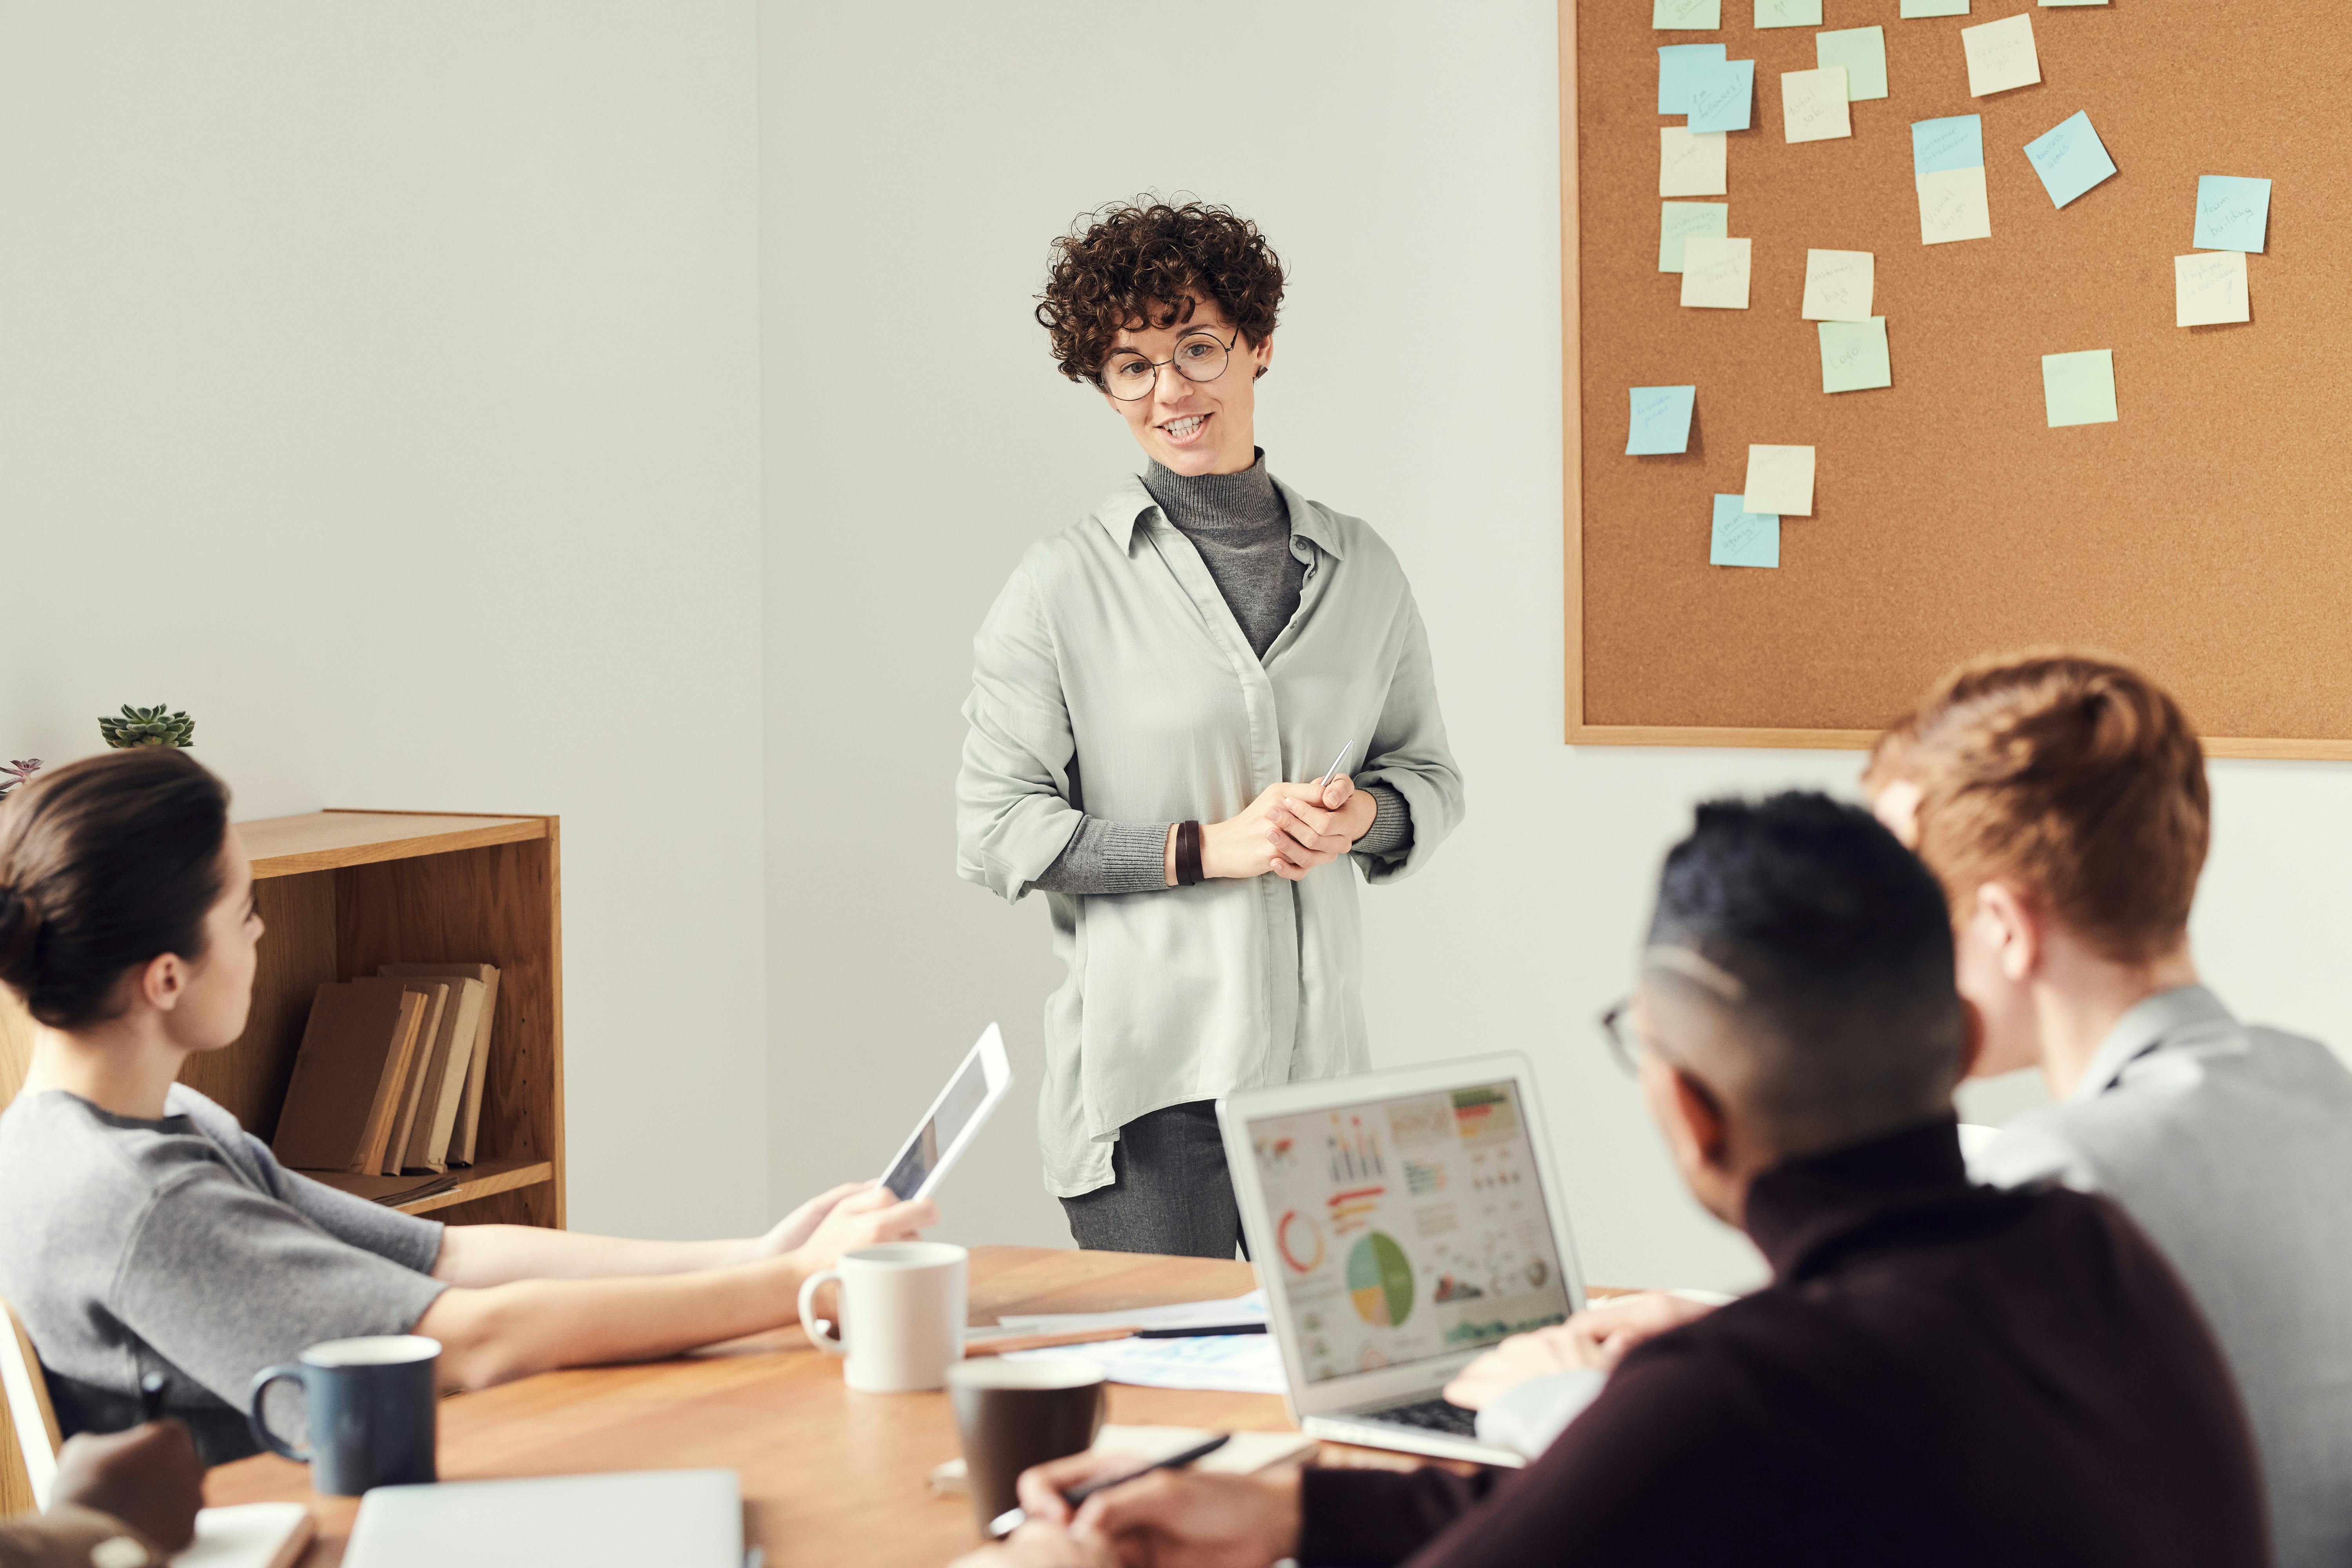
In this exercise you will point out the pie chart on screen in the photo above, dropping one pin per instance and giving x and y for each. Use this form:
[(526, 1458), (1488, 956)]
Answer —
[(1380, 1281)]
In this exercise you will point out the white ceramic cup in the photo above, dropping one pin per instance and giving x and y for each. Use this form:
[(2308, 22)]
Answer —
[(901, 1314)]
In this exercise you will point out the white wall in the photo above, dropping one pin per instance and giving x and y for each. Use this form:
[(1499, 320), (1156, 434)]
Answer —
[(379, 383), (1404, 159)]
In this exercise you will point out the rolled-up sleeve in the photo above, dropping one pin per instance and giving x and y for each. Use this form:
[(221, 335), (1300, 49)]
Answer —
[(1409, 753), (1013, 810)]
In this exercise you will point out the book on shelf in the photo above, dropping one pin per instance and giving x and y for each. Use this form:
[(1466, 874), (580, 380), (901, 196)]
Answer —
[(349, 1074), (443, 1076), (436, 1002), (467, 1126)]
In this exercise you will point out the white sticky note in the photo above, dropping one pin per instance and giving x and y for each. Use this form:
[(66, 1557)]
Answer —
[(1686, 15), (1935, 7), (1839, 285), (1788, 13), (2073, 2), (1952, 206), (1680, 221), (1715, 274), (2210, 289), (1691, 163), (1812, 105), (2001, 54), (1779, 481)]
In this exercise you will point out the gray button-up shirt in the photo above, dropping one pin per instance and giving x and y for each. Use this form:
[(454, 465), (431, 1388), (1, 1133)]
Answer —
[(2232, 1145), (1111, 677)]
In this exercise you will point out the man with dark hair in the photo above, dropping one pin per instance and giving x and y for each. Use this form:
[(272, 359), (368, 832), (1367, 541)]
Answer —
[(1938, 1374)]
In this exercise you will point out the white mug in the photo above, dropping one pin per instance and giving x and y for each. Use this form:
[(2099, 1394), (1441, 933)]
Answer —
[(902, 1312)]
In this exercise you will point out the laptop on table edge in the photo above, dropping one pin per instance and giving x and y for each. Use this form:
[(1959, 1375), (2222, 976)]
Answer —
[(1405, 1220)]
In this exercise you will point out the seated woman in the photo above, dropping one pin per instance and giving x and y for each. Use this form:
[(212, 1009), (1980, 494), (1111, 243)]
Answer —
[(143, 1231)]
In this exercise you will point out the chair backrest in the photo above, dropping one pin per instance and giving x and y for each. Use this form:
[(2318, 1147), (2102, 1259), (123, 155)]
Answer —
[(30, 1415)]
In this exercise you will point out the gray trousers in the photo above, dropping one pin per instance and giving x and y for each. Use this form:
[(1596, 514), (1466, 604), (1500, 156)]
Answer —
[(1169, 1190)]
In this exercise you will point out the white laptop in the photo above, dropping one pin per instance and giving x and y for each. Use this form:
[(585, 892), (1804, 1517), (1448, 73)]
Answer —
[(678, 1519), (1403, 1221)]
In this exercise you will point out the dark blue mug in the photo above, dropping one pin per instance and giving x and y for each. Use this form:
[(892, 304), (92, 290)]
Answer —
[(371, 1407)]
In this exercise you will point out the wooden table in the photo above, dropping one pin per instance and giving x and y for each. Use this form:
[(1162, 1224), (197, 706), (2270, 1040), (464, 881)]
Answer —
[(829, 1477)]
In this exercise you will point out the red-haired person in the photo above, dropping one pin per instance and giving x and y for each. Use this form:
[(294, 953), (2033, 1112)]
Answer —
[(143, 1231), (1157, 696)]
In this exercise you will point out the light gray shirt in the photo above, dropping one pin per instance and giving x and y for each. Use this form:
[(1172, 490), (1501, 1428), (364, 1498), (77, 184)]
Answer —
[(1112, 679), (2232, 1145), (182, 1246)]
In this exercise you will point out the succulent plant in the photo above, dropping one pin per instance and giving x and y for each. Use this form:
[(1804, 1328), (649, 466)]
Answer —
[(155, 726), (21, 771)]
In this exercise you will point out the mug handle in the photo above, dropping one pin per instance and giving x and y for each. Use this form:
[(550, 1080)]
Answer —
[(261, 1432), (829, 1342)]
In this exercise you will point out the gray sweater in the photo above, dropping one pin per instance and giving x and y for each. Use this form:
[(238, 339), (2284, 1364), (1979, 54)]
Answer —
[(1240, 526)]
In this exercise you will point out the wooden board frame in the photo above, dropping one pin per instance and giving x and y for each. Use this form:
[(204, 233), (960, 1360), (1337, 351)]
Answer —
[(1577, 730)]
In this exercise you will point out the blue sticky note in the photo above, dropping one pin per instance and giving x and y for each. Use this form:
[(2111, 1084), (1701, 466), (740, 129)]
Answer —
[(1662, 419), (2232, 214), (1957, 142), (2070, 158), (1721, 95), (1743, 538), (1675, 63)]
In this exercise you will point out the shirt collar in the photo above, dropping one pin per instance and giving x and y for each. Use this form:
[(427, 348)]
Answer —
[(1128, 501), (1804, 1214), (2149, 1026)]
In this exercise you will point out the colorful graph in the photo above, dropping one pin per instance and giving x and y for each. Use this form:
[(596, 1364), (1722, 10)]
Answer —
[(1355, 1150), (1299, 1240), (1380, 1281)]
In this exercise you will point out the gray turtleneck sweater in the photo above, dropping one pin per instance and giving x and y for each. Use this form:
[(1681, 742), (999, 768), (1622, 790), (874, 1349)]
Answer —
[(1242, 529)]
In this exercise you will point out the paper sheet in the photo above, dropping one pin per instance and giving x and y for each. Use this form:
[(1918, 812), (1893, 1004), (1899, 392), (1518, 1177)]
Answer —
[(1854, 355), (1743, 538), (2232, 214), (1723, 97), (1232, 1363), (2070, 158), (2079, 388), (1686, 15), (1779, 481), (1660, 421), (1675, 64), (1863, 52), (2001, 54), (1812, 105), (1788, 13), (2209, 289), (1679, 221), (1689, 163), (1715, 274), (1249, 1309), (1954, 142), (1839, 285), (1935, 7), (1952, 206)]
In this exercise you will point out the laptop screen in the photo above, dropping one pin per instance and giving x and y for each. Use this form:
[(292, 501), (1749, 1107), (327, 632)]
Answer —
[(1408, 1228)]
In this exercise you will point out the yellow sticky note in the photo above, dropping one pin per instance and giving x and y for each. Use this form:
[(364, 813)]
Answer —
[(1812, 105), (1839, 284), (1952, 206), (1715, 273), (2209, 289), (2001, 54), (1690, 163), (1779, 481)]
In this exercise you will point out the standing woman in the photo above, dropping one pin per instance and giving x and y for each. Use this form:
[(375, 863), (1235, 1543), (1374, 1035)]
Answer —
[(1156, 696)]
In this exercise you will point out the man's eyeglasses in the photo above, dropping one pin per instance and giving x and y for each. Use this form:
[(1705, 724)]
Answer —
[(1127, 375), (1617, 1028)]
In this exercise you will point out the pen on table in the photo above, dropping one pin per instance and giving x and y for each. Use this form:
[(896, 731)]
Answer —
[(151, 1396), (1206, 1330), (1012, 1518)]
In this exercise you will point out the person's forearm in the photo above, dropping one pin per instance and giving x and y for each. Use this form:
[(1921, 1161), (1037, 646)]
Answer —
[(1112, 857), (1365, 1516), (65, 1537), (1391, 829), (481, 1256), (507, 1331)]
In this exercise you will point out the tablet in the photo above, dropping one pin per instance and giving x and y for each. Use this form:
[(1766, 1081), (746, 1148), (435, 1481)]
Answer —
[(939, 1139)]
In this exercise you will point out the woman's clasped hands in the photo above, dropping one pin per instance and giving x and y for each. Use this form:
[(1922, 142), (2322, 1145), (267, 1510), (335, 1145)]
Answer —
[(1289, 830)]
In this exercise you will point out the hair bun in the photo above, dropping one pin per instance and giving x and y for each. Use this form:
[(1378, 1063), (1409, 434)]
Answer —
[(20, 931)]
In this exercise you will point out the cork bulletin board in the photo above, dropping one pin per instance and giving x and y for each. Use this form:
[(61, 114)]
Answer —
[(2206, 534)]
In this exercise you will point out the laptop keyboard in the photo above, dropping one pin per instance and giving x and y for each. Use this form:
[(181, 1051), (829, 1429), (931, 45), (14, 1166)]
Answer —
[(1430, 1415)]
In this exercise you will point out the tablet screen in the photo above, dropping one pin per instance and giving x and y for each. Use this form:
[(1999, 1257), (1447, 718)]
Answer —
[(947, 1123)]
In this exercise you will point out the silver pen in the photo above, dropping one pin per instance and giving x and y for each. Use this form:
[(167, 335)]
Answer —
[(1333, 770)]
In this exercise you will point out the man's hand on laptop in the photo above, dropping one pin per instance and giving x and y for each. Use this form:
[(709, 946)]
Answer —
[(1595, 1338)]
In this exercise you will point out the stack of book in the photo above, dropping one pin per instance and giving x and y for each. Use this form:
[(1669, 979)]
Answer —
[(386, 1094)]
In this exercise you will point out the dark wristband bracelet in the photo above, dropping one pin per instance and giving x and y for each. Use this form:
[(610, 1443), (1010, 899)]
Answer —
[(1188, 854)]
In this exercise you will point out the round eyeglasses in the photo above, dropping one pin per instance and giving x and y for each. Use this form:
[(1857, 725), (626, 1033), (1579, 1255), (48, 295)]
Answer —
[(1127, 375)]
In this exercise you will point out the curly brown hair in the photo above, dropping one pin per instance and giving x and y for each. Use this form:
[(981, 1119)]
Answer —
[(1133, 264)]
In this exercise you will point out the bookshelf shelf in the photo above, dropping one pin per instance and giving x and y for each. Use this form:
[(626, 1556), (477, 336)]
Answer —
[(485, 1180)]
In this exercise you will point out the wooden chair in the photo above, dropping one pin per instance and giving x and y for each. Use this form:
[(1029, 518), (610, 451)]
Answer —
[(32, 1420)]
